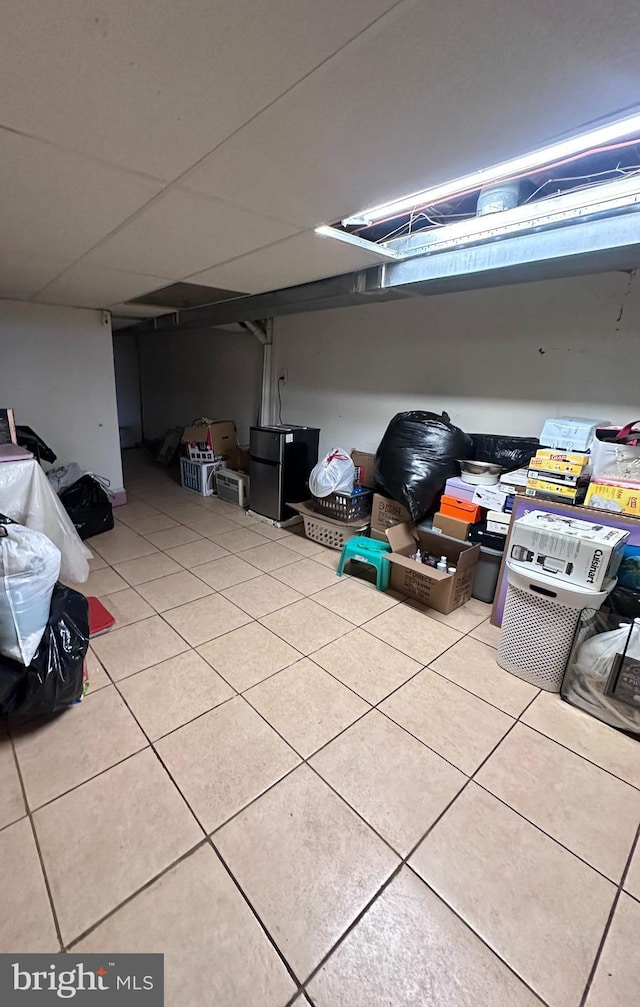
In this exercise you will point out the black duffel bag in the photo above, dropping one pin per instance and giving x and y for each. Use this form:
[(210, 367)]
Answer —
[(55, 677), (88, 506)]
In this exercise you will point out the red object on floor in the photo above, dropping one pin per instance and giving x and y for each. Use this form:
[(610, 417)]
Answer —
[(100, 618)]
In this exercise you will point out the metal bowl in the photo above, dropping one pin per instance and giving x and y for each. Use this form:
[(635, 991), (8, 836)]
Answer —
[(479, 473)]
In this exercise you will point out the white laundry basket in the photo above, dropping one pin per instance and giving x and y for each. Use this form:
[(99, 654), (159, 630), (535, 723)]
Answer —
[(538, 625)]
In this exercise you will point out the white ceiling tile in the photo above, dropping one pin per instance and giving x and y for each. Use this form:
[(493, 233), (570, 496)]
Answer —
[(56, 204), (181, 233), (21, 276), (299, 259), (88, 287), (431, 91), (156, 85)]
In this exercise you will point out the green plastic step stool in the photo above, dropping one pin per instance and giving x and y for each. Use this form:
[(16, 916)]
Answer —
[(367, 550)]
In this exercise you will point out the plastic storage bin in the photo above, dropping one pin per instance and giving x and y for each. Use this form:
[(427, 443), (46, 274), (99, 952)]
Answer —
[(345, 506), (486, 579), (603, 673), (538, 625)]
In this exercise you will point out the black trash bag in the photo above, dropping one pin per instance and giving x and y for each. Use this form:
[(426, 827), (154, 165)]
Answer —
[(55, 677), (623, 602), (28, 438), (510, 452), (88, 506), (415, 458)]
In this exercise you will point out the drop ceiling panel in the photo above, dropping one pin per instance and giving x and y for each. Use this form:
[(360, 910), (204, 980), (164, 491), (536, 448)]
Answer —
[(429, 92), (56, 204), (156, 85), (87, 287), (21, 276), (181, 233), (286, 263)]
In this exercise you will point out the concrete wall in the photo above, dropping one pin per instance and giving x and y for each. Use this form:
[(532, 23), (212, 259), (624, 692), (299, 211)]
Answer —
[(56, 371), (498, 360), (210, 373)]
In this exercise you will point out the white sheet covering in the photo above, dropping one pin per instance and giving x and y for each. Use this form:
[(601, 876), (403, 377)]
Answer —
[(27, 496)]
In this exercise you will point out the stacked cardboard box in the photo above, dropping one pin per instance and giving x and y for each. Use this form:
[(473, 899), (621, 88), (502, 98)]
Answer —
[(562, 476)]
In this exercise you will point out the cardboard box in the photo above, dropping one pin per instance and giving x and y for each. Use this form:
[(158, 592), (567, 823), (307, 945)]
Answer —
[(579, 552), (561, 469), (239, 460), (558, 478), (386, 513), (366, 464), (565, 457), (378, 536), (457, 487), (442, 591), (452, 526), (490, 497), (619, 498), (513, 482), (220, 437), (498, 522)]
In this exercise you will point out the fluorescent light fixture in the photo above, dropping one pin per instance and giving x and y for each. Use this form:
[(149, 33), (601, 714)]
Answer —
[(362, 243), (598, 137), (609, 197)]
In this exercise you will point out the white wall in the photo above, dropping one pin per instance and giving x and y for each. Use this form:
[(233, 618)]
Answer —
[(498, 360), (127, 372), (209, 372), (56, 371)]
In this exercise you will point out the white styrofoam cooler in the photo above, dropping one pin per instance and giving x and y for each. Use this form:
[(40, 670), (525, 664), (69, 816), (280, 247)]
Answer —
[(538, 625)]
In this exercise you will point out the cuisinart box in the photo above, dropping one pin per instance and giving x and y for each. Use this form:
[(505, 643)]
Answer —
[(579, 552), (442, 591)]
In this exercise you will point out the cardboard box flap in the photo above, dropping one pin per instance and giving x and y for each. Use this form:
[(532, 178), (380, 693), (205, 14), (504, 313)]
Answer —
[(402, 536), (468, 558)]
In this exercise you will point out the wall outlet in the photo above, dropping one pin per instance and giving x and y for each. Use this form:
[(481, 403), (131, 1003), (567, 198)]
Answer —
[(284, 376)]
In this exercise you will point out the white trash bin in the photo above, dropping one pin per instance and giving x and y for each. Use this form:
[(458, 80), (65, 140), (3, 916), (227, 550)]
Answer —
[(538, 625)]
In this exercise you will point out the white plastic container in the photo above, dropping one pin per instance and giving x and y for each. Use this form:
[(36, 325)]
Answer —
[(538, 625), (570, 433)]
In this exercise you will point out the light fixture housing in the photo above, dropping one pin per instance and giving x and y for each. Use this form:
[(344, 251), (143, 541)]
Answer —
[(581, 142)]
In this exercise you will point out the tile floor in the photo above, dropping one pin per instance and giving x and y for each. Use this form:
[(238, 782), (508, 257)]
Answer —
[(329, 795)]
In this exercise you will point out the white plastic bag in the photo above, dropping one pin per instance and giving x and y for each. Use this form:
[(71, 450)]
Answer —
[(29, 569), (64, 476), (588, 674), (334, 474), (26, 496)]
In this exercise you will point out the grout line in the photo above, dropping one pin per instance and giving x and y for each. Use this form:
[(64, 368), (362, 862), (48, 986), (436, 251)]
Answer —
[(143, 888), (257, 917), (607, 926), (37, 845), (403, 860)]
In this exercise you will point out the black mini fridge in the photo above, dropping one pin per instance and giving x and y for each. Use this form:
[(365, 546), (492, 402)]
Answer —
[(281, 459)]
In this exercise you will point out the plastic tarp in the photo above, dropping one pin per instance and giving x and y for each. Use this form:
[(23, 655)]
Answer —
[(55, 677), (29, 568), (27, 497)]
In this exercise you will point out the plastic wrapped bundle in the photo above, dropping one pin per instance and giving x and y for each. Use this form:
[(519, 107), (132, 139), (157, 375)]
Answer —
[(29, 569), (55, 677), (603, 672), (416, 456)]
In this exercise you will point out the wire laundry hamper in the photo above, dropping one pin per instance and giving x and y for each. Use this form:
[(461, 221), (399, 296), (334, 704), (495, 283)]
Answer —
[(538, 626)]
